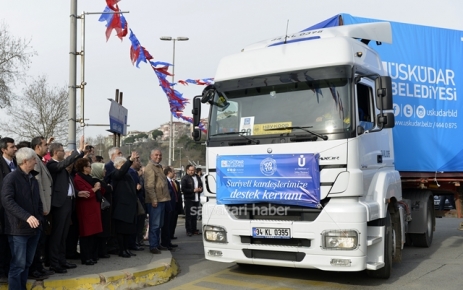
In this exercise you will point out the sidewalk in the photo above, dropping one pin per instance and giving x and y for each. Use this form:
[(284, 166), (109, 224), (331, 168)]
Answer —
[(141, 271), (116, 272)]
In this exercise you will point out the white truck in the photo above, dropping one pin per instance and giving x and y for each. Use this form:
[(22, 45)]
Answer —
[(300, 157)]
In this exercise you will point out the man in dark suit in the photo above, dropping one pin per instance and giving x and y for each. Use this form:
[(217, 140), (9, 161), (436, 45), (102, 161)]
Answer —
[(7, 165), (61, 204), (192, 187), (113, 152), (45, 183), (133, 171), (166, 234), (178, 209)]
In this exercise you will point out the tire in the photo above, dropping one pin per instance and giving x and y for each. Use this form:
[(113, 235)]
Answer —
[(385, 272), (425, 240), (408, 240)]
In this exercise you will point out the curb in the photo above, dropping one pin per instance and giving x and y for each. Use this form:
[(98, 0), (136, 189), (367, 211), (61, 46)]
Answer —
[(152, 274)]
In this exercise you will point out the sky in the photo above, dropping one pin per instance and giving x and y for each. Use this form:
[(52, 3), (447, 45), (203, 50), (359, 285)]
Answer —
[(215, 28)]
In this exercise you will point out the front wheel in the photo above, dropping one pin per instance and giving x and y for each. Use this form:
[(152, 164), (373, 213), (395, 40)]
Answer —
[(425, 239), (385, 272)]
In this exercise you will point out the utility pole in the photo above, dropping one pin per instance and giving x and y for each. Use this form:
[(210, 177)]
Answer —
[(171, 126), (72, 76), (73, 73)]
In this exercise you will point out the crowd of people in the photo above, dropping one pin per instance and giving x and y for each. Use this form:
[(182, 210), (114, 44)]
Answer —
[(57, 205)]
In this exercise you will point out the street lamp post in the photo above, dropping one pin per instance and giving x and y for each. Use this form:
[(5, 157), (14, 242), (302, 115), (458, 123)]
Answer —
[(130, 147), (180, 160), (171, 133)]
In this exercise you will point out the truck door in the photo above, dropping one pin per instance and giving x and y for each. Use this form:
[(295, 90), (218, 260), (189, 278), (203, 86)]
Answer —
[(369, 153)]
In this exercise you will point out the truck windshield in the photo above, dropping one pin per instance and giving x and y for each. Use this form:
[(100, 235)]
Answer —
[(321, 105)]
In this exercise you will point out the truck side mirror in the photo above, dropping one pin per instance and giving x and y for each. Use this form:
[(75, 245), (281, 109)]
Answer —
[(196, 110), (386, 119), (196, 134), (384, 93)]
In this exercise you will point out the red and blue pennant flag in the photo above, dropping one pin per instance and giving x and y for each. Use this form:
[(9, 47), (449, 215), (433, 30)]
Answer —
[(202, 82), (114, 21), (177, 103)]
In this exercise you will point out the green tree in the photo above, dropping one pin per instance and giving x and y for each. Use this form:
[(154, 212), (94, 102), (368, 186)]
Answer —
[(130, 139), (141, 136), (156, 134)]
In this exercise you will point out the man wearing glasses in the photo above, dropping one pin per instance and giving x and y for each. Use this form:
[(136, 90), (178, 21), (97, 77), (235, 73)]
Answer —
[(61, 204)]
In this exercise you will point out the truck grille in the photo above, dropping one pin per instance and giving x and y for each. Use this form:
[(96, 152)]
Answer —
[(294, 242), (274, 255), (275, 212)]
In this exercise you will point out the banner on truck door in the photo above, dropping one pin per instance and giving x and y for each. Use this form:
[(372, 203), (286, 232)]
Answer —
[(426, 67), (291, 179)]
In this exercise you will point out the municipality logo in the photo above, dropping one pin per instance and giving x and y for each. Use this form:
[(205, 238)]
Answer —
[(268, 166)]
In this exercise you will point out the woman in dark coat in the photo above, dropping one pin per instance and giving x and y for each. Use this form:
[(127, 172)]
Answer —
[(98, 173), (124, 203), (88, 211)]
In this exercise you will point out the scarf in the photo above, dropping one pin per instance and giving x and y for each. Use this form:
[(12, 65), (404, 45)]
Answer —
[(87, 178), (97, 170)]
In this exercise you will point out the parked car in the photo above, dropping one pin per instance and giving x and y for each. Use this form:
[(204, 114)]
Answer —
[(447, 204)]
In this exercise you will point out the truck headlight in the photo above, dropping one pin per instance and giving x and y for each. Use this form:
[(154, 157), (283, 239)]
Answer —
[(215, 234), (340, 240)]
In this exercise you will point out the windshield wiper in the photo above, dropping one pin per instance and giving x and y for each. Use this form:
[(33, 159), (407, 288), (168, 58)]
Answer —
[(239, 134), (324, 137)]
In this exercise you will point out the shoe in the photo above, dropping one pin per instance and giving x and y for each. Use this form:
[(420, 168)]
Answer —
[(173, 245), (130, 253), (155, 251), (189, 234), (105, 256), (88, 263), (161, 248), (173, 238), (94, 261), (69, 266), (37, 275), (124, 254), (137, 248), (197, 233), (58, 270), (46, 272)]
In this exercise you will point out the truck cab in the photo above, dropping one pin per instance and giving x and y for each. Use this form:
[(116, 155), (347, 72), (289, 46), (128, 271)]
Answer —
[(300, 156)]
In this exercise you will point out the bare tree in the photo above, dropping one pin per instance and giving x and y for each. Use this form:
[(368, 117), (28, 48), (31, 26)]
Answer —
[(15, 55), (38, 111)]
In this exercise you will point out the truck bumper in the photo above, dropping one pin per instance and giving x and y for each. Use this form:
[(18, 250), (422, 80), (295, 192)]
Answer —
[(242, 248)]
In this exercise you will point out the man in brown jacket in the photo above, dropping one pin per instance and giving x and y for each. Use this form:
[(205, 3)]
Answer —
[(156, 198)]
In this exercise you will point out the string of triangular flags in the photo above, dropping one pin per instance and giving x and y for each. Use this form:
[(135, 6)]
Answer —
[(138, 53)]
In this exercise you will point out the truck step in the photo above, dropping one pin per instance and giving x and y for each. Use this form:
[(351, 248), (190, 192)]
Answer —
[(374, 265), (373, 240)]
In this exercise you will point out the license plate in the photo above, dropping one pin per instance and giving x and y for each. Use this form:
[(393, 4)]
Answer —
[(271, 233)]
